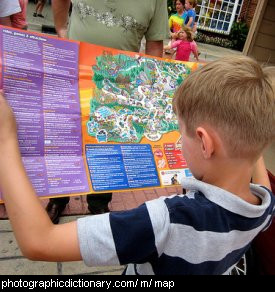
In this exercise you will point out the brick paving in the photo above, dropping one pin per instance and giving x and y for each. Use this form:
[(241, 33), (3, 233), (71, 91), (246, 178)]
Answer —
[(120, 201)]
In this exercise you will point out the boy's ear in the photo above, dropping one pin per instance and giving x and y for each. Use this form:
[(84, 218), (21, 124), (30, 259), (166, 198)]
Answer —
[(206, 142)]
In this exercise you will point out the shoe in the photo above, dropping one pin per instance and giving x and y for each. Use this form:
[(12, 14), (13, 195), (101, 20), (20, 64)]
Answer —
[(34, 14), (96, 211), (40, 15), (54, 211)]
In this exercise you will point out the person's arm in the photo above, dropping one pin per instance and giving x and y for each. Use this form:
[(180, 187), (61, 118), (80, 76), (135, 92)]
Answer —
[(167, 47), (190, 21), (158, 30), (173, 35), (196, 54), (173, 45), (60, 10), (37, 237), (195, 27), (259, 175), (154, 48), (194, 49)]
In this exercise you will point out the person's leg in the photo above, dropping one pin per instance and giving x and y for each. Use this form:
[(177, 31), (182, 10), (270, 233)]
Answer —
[(40, 9), (55, 208), (98, 204), (36, 8)]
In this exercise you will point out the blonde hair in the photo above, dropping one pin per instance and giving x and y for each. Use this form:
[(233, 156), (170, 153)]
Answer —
[(188, 31), (193, 3), (236, 96)]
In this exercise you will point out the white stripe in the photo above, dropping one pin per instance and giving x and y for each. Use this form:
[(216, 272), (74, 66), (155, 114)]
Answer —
[(130, 269), (160, 219), (229, 201), (199, 246), (145, 269), (228, 272), (96, 241)]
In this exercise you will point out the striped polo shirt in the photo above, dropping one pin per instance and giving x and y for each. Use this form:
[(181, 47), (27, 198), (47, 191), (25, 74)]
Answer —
[(205, 231)]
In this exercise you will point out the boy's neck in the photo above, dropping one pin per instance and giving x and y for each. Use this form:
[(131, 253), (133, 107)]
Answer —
[(233, 176)]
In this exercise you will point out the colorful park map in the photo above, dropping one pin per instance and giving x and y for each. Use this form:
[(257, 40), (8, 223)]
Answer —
[(130, 131), (133, 98), (90, 118)]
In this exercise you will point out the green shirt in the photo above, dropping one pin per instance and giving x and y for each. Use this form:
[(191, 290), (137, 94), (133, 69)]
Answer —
[(119, 24)]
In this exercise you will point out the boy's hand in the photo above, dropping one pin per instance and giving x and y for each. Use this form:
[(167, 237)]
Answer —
[(7, 122)]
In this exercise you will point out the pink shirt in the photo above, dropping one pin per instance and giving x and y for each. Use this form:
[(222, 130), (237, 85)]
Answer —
[(184, 49), (19, 20)]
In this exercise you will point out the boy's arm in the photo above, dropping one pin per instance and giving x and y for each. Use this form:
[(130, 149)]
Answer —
[(195, 27), (60, 10), (189, 22), (37, 237), (191, 14), (259, 175)]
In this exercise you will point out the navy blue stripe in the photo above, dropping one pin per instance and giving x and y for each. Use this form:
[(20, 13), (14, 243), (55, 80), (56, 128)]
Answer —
[(167, 265), (133, 235), (205, 215)]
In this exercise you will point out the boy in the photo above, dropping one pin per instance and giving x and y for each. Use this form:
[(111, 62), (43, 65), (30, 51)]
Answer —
[(190, 14), (226, 118)]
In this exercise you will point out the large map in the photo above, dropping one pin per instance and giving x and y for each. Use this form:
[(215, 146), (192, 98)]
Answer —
[(130, 132), (133, 98), (90, 118)]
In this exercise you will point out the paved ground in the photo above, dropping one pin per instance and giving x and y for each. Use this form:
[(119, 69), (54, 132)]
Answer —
[(12, 262)]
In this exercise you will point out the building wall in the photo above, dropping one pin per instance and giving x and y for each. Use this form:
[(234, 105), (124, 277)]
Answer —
[(261, 41), (248, 10)]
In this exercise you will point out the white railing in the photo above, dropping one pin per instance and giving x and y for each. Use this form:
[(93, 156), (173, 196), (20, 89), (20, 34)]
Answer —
[(218, 15)]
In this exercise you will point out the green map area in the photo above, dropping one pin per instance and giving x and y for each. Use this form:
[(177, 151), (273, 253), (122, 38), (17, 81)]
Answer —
[(133, 98)]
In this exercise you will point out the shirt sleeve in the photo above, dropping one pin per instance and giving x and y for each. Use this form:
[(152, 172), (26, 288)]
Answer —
[(191, 13), (159, 28), (9, 7), (117, 238), (170, 22), (193, 46), (175, 44)]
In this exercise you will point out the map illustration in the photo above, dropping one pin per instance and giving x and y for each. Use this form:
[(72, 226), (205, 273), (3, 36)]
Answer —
[(133, 98)]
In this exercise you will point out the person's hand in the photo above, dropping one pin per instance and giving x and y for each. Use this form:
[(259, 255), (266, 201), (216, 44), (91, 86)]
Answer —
[(174, 35), (8, 131), (62, 33)]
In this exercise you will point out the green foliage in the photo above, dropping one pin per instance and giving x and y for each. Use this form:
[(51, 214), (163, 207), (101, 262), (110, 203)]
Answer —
[(171, 7), (139, 128), (235, 40), (94, 105), (214, 39), (238, 34), (98, 79)]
